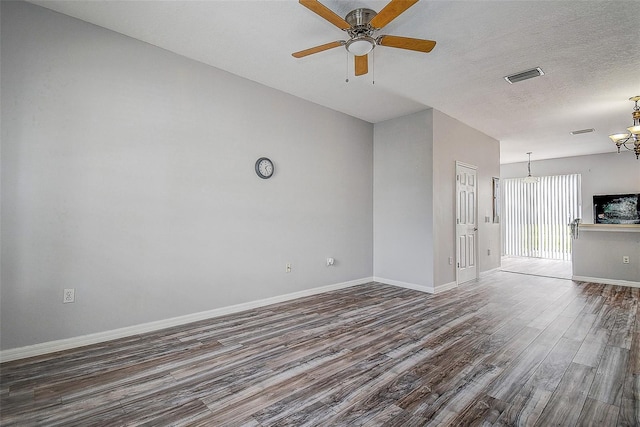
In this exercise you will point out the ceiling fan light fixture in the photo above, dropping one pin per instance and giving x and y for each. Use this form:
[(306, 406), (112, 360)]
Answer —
[(360, 46)]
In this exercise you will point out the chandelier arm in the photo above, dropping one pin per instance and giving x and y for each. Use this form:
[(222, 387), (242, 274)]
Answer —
[(632, 136), (631, 140)]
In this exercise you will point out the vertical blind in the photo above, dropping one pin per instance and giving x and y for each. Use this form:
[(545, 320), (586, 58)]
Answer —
[(536, 216)]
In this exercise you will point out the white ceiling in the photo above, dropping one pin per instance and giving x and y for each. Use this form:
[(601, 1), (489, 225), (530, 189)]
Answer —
[(589, 51)]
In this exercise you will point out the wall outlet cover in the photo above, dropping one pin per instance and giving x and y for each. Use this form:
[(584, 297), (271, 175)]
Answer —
[(69, 295)]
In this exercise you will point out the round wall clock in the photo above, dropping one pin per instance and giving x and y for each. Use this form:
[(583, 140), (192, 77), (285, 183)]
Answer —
[(264, 167)]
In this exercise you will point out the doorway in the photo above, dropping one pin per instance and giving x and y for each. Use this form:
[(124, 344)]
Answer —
[(536, 217), (466, 222)]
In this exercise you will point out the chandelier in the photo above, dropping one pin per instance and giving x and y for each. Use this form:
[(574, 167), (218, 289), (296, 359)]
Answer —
[(631, 139)]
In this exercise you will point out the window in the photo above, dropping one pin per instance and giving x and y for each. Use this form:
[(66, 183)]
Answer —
[(536, 216)]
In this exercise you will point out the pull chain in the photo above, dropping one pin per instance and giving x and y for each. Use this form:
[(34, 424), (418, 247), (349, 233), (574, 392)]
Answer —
[(373, 67), (346, 79)]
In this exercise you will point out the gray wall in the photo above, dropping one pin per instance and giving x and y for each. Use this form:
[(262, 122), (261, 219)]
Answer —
[(403, 199), (598, 254), (127, 173), (454, 141), (414, 196), (609, 173)]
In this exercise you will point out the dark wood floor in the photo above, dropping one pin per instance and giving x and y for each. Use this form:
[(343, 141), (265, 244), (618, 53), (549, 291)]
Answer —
[(508, 350)]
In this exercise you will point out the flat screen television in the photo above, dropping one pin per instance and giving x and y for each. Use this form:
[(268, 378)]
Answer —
[(616, 209)]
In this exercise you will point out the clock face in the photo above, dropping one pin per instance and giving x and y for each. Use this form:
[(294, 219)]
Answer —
[(264, 168)]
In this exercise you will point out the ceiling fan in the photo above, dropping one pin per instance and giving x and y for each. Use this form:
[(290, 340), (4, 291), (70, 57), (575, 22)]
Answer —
[(361, 25)]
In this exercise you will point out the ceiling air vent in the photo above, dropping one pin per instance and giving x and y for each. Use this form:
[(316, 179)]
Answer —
[(529, 74), (578, 132)]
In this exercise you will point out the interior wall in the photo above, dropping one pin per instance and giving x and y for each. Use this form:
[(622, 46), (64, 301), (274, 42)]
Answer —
[(454, 141), (414, 197), (128, 174), (403, 200), (609, 173), (598, 255)]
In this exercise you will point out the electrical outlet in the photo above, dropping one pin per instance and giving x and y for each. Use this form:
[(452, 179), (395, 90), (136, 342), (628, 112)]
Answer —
[(450, 260), (488, 251), (287, 268), (625, 259), (69, 295), (330, 261)]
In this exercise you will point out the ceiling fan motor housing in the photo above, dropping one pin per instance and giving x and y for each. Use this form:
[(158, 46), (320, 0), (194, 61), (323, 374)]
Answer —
[(360, 18)]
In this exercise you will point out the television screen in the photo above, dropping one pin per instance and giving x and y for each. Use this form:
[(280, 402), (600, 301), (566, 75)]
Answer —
[(616, 209)]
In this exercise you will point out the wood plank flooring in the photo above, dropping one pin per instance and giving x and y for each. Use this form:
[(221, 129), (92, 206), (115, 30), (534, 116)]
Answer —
[(507, 350), (537, 266)]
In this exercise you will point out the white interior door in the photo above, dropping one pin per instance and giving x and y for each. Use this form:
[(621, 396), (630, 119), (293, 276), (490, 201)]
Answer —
[(466, 222)]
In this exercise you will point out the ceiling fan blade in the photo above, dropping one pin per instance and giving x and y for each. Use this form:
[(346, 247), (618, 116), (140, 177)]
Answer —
[(418, 45), (322, 10), (362, 65), (317, 49), (391, 12)]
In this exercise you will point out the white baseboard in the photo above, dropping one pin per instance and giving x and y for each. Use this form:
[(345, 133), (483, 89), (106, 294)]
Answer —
[(445, 287), (406, 285), (487, 272), (421, 288), (69, 343), (606, 281)]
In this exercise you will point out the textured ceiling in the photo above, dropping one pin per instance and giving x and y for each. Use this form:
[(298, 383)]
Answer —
[(589, 52)]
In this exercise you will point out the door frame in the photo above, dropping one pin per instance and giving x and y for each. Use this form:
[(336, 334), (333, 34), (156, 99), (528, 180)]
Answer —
[(455, 223)]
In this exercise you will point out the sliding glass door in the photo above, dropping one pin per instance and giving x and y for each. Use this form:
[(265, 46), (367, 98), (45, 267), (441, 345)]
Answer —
[(536, 216)]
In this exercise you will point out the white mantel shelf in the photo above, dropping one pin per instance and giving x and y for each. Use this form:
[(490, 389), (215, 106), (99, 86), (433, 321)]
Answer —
[(627, 228)]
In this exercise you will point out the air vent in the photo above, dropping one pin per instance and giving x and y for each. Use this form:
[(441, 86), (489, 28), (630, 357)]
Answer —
[(529, 74), (578, 132)]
